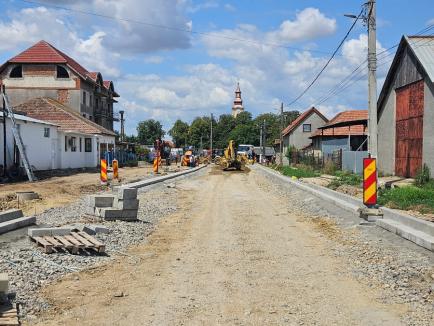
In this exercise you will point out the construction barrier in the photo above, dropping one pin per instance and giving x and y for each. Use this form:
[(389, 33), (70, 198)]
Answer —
[(103, 171), (157, 163), (370, 181), (115, 165)]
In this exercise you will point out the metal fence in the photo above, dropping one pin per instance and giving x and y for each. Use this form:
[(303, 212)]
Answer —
[(351, 161)]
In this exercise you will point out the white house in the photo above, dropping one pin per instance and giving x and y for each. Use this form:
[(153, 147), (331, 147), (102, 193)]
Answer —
[(38, 137), (77, 141), (298, 133)]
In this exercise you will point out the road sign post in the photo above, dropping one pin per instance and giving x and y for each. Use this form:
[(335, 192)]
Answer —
[(370, 182)]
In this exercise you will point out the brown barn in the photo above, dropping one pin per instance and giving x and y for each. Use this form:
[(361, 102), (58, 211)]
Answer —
[(406, 109)]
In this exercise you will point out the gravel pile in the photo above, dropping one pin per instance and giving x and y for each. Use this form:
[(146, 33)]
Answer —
[(402, 271), (29, 268)]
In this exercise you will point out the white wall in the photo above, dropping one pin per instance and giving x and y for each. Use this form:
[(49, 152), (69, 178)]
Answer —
[(38, 148), (77, 159), (46, 153)]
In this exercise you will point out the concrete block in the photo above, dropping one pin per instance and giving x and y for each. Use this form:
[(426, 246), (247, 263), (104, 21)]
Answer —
[(118, 214), (48, 231), (126, 204), (94, 229), (100, 200), (4, 283), (127, 193), (129, 213), (110, 213), (17, 223), (10, 214)]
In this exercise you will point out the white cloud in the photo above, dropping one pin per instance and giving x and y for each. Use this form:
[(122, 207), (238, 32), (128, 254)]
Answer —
[(229, 7), (309, 24), (211, 4), (154, 59)]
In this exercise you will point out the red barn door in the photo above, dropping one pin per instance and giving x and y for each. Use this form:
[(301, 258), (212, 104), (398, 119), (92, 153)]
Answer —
[(409, 129)]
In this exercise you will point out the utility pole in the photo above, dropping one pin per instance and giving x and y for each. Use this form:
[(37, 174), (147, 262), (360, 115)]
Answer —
[(122, 135), (210, 137), (264, 135), (281, 136), (4, 131), (260, 141), (372, 78)]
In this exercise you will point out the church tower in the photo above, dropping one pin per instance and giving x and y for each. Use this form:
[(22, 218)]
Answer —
[(238, 102)]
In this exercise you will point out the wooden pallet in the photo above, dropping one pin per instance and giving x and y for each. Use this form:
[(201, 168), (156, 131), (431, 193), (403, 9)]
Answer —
[(72, 242), (9, 315)]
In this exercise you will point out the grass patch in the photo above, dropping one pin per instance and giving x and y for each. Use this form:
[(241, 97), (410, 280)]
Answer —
[(345, 178), (409, 198), (299, 172)]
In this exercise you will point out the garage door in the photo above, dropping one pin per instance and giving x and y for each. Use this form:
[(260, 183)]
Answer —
[(409, 129)]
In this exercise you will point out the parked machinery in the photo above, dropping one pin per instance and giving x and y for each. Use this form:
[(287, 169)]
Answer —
[(230, 160)]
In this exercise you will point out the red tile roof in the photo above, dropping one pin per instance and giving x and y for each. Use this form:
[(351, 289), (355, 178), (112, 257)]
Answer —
[(44, 52), (93, 75), (302, 118), (67, 119), (345, 116)]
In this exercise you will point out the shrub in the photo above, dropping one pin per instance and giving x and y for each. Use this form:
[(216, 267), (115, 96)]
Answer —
[(299, 172), (329, 167), (291, 152), (410, 197), (423, 176)]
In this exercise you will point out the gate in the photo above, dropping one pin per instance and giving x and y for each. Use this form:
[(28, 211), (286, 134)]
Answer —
[(409, 129)]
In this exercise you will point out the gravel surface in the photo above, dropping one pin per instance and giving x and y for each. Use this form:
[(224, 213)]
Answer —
[(29, 269), (377, 258)]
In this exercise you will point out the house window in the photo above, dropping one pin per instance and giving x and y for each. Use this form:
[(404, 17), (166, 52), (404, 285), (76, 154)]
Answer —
[(84, 98), (80, 144), (73, 144), (16, 72), (66, 143), (307, 127), (62, 72), (47, 132), (88, 145)]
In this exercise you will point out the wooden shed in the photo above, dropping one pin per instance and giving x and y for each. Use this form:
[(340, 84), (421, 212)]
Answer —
[(406, 109)]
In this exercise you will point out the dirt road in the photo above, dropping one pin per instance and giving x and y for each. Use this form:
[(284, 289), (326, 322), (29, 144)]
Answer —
[(234, 254)]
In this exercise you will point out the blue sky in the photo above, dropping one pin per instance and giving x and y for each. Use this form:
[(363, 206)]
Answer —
[(166, 74)]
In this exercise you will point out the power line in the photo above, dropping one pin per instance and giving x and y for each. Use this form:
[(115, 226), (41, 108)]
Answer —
[(355, 76), (173, 28), (328, 62)]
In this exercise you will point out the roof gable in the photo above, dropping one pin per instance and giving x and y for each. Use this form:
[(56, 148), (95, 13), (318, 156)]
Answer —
[(422, 49), (301, 118), (44, 52)]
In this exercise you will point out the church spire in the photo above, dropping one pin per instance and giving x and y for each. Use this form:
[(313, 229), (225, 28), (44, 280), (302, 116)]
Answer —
[(238, 102)]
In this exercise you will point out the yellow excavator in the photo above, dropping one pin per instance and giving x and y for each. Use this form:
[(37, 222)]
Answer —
[(230, 160)]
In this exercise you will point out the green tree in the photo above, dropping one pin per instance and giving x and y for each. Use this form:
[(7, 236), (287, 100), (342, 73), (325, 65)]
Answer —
[(200, 128), (179, 133), (243, 118), (131, 139), (148, 131), (222, 129), (244, 134)]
